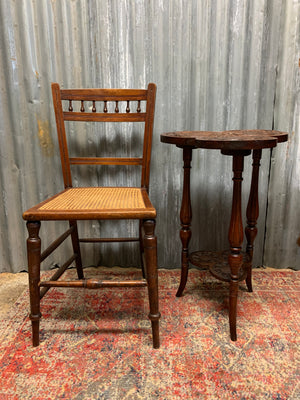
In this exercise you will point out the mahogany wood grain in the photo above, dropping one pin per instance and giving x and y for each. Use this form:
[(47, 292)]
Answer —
[(76, 248), (93, 283), (34, 260), (106, 161), (148, 136), (54, 245), (107, 240), (104, 94), (252, 214), (238, 144), (235, 237), (150, 249), (185, 218), (130, 203), (226, 140), (99, 117), (58, 273)]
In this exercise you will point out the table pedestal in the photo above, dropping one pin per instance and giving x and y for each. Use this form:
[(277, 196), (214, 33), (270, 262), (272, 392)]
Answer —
[(234, 265), (230, 266)]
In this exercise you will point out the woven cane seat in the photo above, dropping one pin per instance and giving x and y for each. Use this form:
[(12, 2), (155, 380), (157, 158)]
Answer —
[(98, 202)]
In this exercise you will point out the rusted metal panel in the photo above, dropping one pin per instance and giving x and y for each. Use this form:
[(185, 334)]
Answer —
[(218, 65)]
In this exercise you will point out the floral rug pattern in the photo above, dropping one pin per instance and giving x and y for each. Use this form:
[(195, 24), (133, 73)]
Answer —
[(96, 344)]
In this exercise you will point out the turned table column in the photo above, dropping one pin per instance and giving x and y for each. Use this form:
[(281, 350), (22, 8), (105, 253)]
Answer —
[(252, 215), (233, 266), (235, 235), (185, 219)]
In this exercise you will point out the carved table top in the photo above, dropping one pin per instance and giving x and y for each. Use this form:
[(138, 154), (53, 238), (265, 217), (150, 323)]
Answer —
[(226, 140)]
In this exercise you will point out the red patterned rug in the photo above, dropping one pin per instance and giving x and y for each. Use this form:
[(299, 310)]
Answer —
[(97, 344)]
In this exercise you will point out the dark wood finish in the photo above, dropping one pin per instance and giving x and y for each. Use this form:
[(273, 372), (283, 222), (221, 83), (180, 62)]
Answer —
[(185, 219), (142, 251), (92, 284), (106, 240), (150, 249), (46, 253), (104, 94), (217, 264), (148, 136), (34, 260), (226, 140), (76, 249), (99, 117), (234, 266), (58, 274), (105, 161), (137, 207), (235, 236), (252, 214)]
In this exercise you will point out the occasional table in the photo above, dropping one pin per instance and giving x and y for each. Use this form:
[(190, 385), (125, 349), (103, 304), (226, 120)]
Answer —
[(233, 265)]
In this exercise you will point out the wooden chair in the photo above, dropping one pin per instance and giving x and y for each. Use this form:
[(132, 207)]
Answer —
[(96, 203)]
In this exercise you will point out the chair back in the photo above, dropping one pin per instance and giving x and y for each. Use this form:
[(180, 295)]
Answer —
[(105, 105)]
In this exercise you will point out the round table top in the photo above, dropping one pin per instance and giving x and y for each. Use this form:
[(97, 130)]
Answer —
[(249, 139)]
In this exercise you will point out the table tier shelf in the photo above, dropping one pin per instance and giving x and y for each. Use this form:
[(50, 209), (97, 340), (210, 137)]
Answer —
[(236, 144), (217, 264)]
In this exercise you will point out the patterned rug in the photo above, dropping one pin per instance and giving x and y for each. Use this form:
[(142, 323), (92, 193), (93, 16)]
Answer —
[(97, 344)]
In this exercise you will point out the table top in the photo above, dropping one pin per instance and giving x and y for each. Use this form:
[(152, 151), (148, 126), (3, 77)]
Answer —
[(249, 139)]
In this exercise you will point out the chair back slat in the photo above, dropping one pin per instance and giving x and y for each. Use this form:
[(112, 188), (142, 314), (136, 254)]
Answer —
[(106, 161), (105, 105), (104, 117)]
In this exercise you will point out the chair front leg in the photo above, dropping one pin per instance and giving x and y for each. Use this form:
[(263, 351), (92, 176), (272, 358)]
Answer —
[(150, 248), (34, 260)]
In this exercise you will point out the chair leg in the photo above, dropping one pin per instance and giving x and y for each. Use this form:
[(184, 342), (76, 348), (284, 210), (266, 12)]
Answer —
[(76, 249), (34, 259), (142, 249), (150, 247)]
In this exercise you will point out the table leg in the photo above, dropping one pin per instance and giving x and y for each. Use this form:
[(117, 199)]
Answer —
[(185, 219), (235, 237), (252, 215)]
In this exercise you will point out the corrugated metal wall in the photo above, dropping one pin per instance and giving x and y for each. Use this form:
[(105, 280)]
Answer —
[(282, 247), (217, 64)]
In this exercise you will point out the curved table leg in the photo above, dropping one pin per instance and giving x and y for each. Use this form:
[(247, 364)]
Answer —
[(252, 215), (185, 218), (235, 237)]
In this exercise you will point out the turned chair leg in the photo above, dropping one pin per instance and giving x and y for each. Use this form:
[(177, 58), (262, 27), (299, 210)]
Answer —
[(76, 249), (150, 248), (34, 259)]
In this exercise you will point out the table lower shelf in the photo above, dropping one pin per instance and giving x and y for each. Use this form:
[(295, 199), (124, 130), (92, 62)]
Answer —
[(217, 264)]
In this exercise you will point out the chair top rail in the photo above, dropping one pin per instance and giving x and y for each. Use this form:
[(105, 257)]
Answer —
[(104, 94)]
